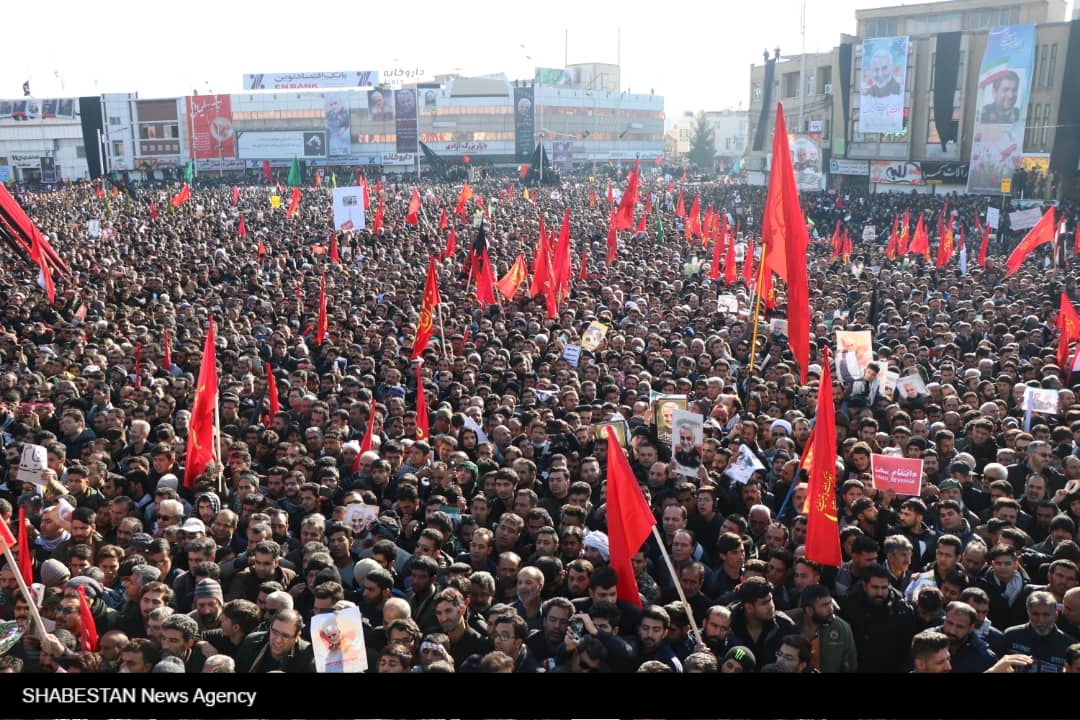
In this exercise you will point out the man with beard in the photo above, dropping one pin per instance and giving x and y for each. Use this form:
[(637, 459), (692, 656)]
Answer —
[(883, 624), (450, 608), (716, 631), (831, 637), (650, 641), (1040, 637), (755, 621), (969, 652)]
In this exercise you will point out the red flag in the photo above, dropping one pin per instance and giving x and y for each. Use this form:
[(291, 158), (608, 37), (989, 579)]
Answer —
[(583, 273), (920, 242), (324, 320), (541, 270), (235, 195), (729, 259), (714, 270), (181, 197), (902, 246), (412, 217), (153, 211), (643, 224), (260, 251), (166, 349), (138, 364), (835, 242), (294, 203), (624, 216), (612, 239), (481, 268), (693, 219), (822, 528), (335, 256), (509, 283), (1068, 323), (629, 519), (748, 263), (1044, 231), (443, 221), (523, 170), (241, 229), (425, 326), (464, 197), (561, 266), (894, 240), (99, 191), (984, 246), (318, 178), (200, 439), (451, 244), (364, 193), (422, 431), (88, 636), (369, 432), (1076, 240), (784, 238), (680, 207), (267, 172), (592, 198), (37, 254), (26, 553), (946, 249), (272, 394), (610, 194), (378, 217)]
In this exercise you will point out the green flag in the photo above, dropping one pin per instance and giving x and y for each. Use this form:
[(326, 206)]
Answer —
[(333, 179), (294, 174), (659, 229), (189, 171)]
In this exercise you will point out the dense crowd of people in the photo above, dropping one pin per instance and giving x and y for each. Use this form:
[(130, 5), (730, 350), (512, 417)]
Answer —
[(482, 546)]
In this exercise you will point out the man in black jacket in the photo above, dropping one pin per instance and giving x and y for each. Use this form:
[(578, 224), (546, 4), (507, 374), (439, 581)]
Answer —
[(882, 622), (756, 623), (279, 648)]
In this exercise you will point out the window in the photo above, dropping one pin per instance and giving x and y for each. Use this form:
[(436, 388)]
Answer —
[(791, 84), (114, 120), (1051, 66), (80, 152), (1045, 126), (757, 91), (824, 77), (1043, 53), (118, 148), (886, 27), (811, 89)]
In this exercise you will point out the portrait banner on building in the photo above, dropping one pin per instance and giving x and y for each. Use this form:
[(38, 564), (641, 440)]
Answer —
[(211, 127), (405, 122), (1002, 97), (806, 161), (562, 155), (338, 124), (881, 89), (524, 123)]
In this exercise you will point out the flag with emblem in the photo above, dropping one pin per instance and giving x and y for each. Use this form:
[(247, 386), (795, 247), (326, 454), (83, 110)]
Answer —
[(1068, 323), (200, 439), (422, 432), (822, 528), (425, 326)]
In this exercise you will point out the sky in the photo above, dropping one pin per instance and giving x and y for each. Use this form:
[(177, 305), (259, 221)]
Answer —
[(696, 54)]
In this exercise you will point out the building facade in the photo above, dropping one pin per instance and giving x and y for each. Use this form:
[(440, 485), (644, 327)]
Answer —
[(483, 121), (882, 131)]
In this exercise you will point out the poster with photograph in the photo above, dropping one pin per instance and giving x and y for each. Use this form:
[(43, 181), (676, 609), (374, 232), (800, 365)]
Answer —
[(593, 336), (358, 516), (686, 440), (854, 351), (887, 381), (338, 640), (910, 388), (618, 425), (348, 208), (664, 407), (1041, 400), (743, 466)]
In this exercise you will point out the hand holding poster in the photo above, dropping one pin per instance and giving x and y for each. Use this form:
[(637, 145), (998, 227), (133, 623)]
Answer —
[(743, 466), (664, 407), (853, 353), (34, 458), (901, 475), (593, 336), (911, 388), (888, 383), (338, 640)]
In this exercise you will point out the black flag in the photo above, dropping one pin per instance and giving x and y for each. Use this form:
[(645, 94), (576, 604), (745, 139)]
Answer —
[(26, 89)]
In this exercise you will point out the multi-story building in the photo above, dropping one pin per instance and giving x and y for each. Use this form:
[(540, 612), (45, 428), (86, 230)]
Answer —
[(730, 129), (888, 136), (582, 118)]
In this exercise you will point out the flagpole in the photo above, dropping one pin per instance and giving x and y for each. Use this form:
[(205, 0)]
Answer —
[(675, 582), (36, 617), (757, 307)]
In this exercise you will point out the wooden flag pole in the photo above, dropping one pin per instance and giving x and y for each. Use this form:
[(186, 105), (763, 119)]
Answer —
[(26, 592), (757, 307), (678, 586)]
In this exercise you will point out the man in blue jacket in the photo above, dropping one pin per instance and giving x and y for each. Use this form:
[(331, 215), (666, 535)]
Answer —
[(969, 652)]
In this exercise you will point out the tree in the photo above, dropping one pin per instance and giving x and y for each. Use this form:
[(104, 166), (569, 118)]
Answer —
[(702, 142)]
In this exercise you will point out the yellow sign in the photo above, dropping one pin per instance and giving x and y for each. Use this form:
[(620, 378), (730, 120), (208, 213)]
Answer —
[(1006, 186), (275, 201)]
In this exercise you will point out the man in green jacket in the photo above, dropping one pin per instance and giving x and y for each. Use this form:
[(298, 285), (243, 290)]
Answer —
[(830, 636)]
